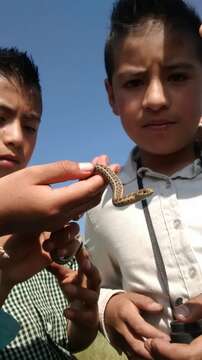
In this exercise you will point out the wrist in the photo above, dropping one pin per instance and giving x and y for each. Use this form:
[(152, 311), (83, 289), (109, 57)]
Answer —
[(105, 296)]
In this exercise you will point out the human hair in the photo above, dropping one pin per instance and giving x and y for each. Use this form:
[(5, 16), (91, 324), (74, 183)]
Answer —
[(20, 66), (128, 14)]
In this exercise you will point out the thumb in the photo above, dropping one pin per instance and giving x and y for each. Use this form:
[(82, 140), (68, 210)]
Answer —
[(58, 172), (59, 271)]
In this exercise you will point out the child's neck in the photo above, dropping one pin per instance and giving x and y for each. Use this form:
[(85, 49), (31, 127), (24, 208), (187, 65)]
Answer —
[(168, 164)]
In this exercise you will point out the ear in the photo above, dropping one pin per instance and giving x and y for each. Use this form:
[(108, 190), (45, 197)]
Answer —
[(111, 98)]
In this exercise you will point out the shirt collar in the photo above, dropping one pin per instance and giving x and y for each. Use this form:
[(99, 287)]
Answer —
[(129, 170)]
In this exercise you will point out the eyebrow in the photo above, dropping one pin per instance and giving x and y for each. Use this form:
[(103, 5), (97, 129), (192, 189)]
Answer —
[(181, 65), (132, 72), (6, 107), (33, 116), (169, 67), (29, 116)]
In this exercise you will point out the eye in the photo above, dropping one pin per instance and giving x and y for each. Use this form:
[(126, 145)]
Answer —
[(178, 77), (134, 83), (2, 119), (30, 129)]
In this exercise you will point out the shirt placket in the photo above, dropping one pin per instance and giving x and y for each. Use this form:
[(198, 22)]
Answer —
[(182, 268)]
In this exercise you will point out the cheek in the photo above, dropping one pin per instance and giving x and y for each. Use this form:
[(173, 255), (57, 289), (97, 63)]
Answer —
[(190, 101), (128, 106), (29, 147), (191, 112)]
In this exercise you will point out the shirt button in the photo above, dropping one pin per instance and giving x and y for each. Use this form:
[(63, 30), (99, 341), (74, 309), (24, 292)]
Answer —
[(49, 327), (178, 301), (192, 272), (177, 223)]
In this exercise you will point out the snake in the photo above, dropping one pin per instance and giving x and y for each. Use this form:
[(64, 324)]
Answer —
[(118, 197)]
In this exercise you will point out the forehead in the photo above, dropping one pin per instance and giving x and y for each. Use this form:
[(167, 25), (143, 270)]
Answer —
[(13, 94), (154, 42)]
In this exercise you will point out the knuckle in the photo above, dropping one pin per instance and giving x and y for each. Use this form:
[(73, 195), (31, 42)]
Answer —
[(122, 312)]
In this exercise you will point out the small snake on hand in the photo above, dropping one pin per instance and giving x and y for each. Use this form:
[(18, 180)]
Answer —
[(118, 197)]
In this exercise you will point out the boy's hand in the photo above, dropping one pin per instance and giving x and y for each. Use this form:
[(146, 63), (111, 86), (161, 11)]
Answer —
[(188, 312), (104, 160), (125, 325), (29, 204), (29, 253), (161, 349), (82, 290)]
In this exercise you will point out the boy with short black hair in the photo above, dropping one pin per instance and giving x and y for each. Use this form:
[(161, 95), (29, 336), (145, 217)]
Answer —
[(153, 59), (38, 303)]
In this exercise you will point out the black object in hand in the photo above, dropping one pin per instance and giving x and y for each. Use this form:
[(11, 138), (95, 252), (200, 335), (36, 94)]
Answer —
[(185, 333)]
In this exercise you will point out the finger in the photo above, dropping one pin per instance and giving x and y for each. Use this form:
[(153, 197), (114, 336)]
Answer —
[(59, 171), (102, 160), (135, 345), (82, 256), (19, 246), (62, 273), (31, 262), (79, 193), (85, 204), (87, 317), (64, 239), (64, 211), (189, 311), (116, 168), (161, 349), (74, 292), (145, 303), (139, 326), (92, 275)]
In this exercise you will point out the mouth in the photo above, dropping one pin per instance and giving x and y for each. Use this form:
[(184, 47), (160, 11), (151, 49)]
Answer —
[(9, 161), (159, 124)]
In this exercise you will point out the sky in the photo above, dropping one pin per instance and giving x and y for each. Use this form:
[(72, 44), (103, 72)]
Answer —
[(66, 39)]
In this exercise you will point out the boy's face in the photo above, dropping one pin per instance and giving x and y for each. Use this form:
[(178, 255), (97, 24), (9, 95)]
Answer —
[(20, 112), (157, 89)]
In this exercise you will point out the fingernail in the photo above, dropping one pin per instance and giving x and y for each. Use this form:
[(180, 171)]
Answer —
[(182, 312), (86, 166)]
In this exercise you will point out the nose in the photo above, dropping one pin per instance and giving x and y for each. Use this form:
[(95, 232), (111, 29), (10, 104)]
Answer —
[(155, 97), (13, 134)]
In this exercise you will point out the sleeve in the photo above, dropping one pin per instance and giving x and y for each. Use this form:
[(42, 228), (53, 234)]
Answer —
[(9, 328), (111, 283)]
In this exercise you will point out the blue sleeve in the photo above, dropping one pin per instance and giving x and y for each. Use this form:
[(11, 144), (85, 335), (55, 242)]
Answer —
[(9, 328)]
